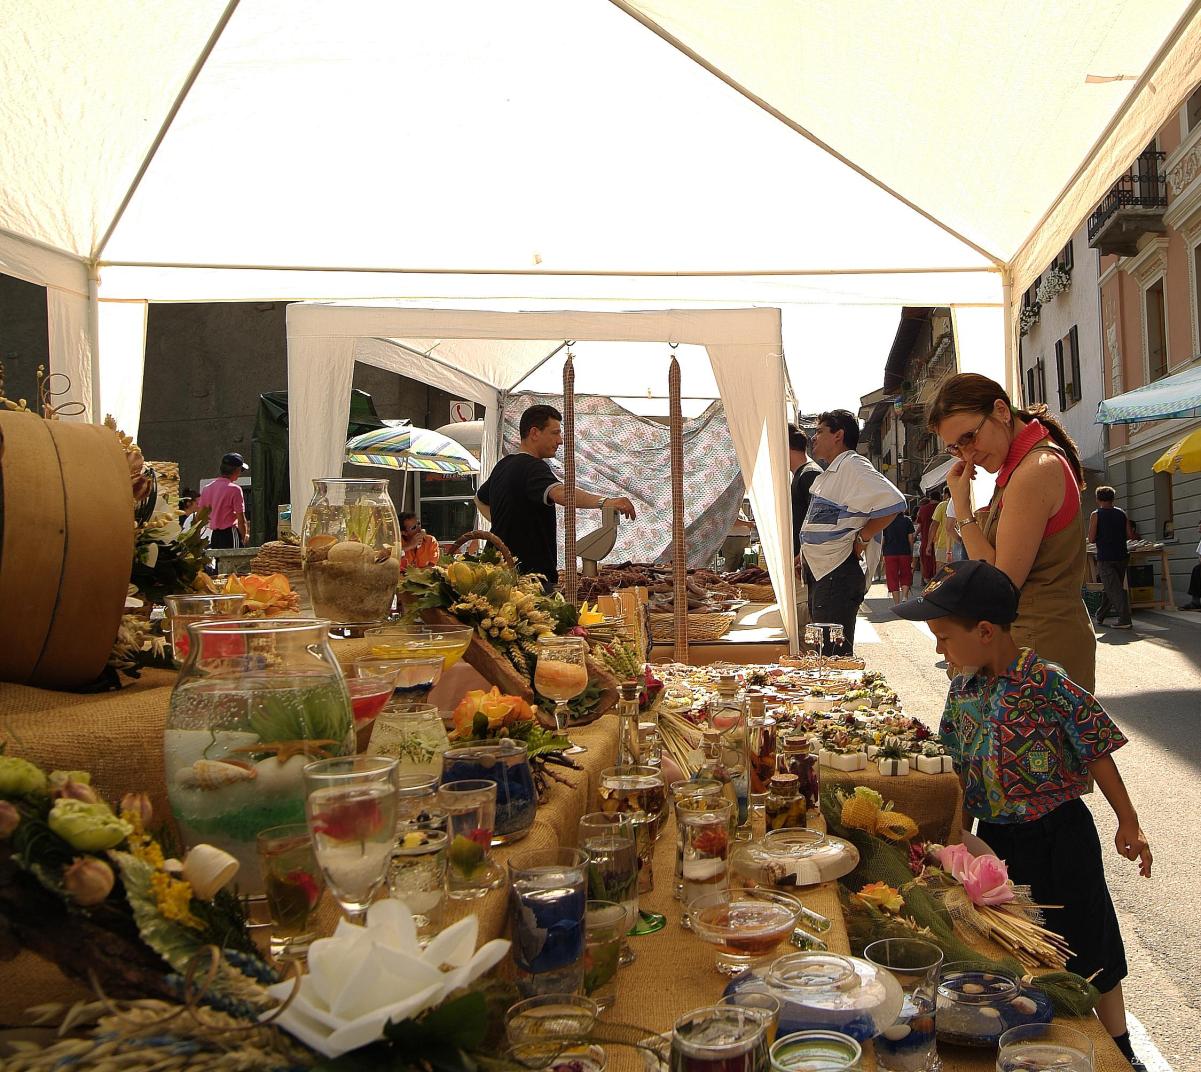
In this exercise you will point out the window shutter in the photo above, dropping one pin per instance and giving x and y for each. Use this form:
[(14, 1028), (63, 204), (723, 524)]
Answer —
[(1042, 380), (1059, 373), (1074, 346), (1030, 396)]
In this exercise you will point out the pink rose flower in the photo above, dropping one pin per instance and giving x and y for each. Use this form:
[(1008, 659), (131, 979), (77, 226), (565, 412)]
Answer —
[(955, 859), (987, 881)]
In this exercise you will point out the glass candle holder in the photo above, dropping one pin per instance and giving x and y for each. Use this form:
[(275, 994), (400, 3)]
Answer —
[(351, 809), (417, 873), (910, 1043), (183, 610), (719, 1038), (506, 763), (612, 847), (368, 695), (634, 789), (418, 641), (547, 891), (605, 928), (293, 884), (744, 925), (256, 700), (470, 817), (1038, 1046), (413, 678), (416, 797), (412, 734), (762, 1004), (549, 1032), (703, 845), (816, 1051)]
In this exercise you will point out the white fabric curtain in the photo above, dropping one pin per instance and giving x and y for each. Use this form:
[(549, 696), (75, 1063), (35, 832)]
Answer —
[(320, 374), (72, 351), (122, 342)]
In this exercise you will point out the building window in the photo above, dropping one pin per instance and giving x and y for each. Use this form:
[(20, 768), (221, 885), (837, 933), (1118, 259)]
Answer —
[(1164, 521), (446, 505), (1065, 259), (1031, 398), (1155, 318), (1067, 368), (1031, 296), (1192, 111), (1040, 381)]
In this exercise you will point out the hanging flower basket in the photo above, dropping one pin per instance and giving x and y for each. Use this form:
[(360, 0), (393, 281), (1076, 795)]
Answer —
[(1054, 283), (1029, 317)]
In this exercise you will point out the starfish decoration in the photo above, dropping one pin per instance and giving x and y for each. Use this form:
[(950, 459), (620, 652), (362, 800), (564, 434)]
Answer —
[(285, 750)]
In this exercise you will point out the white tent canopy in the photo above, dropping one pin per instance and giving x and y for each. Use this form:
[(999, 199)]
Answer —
[(483, 355), (635, 150)]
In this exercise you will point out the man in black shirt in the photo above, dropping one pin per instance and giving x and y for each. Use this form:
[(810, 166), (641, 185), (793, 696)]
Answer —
[(804, 472), (1109, 528), (520, 495)]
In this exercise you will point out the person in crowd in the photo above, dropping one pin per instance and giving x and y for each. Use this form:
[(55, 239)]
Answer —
[(1032, 529), (1109, 528), (185, 507), (899, 536), (925, 515), (1025, 741), (1194, 582), (226, 505), (418, 547), (956, 552), (851, 502), (520, 496), (940, 543), (804, 472)]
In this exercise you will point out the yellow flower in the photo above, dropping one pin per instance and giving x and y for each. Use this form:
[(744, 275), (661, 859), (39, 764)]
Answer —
[(882, 896), (173, 898), (590, 615)]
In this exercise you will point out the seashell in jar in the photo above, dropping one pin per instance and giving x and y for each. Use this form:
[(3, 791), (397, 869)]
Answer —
[(351, 552), (317, 547), (216, 773), (384, 553), (208, 870)]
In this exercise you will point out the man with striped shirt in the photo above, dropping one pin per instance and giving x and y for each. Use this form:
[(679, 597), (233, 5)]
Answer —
[(850, 504)]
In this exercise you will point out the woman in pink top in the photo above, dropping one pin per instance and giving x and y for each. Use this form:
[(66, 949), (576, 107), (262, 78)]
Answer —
[(1032, 529), (226, 505)]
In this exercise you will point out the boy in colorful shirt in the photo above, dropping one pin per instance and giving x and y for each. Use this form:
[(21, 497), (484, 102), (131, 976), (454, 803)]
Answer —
[(1025, 741)]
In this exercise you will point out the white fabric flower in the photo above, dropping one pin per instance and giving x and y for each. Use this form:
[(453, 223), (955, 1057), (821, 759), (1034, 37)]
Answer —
[(364, 978)]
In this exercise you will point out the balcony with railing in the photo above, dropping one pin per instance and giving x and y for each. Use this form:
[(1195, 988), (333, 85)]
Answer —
[(1132, 208)]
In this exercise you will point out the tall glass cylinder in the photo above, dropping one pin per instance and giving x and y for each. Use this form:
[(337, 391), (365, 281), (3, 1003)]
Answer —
[(255, 701), (350, 548)]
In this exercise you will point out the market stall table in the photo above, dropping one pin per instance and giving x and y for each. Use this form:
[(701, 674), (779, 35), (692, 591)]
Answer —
[(757, 636)]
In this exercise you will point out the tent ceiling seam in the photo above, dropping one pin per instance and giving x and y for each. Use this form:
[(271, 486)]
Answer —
[(165, 126), (792, 124), (724, 273), (429, 357), (1148, 72)]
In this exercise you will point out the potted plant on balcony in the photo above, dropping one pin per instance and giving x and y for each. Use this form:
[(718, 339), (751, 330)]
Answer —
[(1028, 317), (1054, 283)]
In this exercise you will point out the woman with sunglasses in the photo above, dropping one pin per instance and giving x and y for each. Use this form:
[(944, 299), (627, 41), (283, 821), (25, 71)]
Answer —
[(1031, 529)]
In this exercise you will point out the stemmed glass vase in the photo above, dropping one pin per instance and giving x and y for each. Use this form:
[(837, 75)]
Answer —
[(351, 812), (562, 675)]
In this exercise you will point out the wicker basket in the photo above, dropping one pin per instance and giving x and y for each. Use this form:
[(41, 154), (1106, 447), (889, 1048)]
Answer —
[(757, 593), (701, 627)]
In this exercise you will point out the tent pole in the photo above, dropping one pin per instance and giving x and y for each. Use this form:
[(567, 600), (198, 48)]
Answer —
[(1013, 380), (679, 556), (569, 562)]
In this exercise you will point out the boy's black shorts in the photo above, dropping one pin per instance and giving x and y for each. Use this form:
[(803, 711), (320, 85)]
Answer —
[(1059, 858)]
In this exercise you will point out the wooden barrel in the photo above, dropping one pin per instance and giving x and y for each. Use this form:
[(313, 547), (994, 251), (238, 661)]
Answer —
[(66, 549)]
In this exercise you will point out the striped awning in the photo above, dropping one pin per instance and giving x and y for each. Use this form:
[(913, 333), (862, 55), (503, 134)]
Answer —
[(1173, 396), (411, 449)]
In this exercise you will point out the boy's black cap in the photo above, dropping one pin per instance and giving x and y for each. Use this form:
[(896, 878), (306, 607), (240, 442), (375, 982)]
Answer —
[(234, 461), (975, 590)]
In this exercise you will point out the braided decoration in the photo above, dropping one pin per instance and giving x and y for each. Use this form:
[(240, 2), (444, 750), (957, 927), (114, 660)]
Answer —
[(679, 557), (569, 560)]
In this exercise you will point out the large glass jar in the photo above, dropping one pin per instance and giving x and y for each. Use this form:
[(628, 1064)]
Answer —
[(506, 763), (350, 547), (255, 701)]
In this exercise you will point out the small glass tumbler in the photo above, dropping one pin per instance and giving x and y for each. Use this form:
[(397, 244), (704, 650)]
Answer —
[(634, 788), (703, 845), (416, 797), (183, 610), (549, 1032), (605, 929), (413, 679), (547, 891), (611, 843), (470, 817), (1045, 1046), (816, 1051), (762, 1004), (719, 1038), (351, 811), (417, 875), (293, 884), (910, 1043)]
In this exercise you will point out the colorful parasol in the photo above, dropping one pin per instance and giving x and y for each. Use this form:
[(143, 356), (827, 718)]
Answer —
[(1183, 456), (409, 448)]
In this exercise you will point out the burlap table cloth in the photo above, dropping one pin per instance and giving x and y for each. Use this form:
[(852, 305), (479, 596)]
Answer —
[(933, 801)]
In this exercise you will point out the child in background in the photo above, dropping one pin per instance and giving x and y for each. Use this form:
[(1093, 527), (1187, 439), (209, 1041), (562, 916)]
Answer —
[(1025, 740)]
